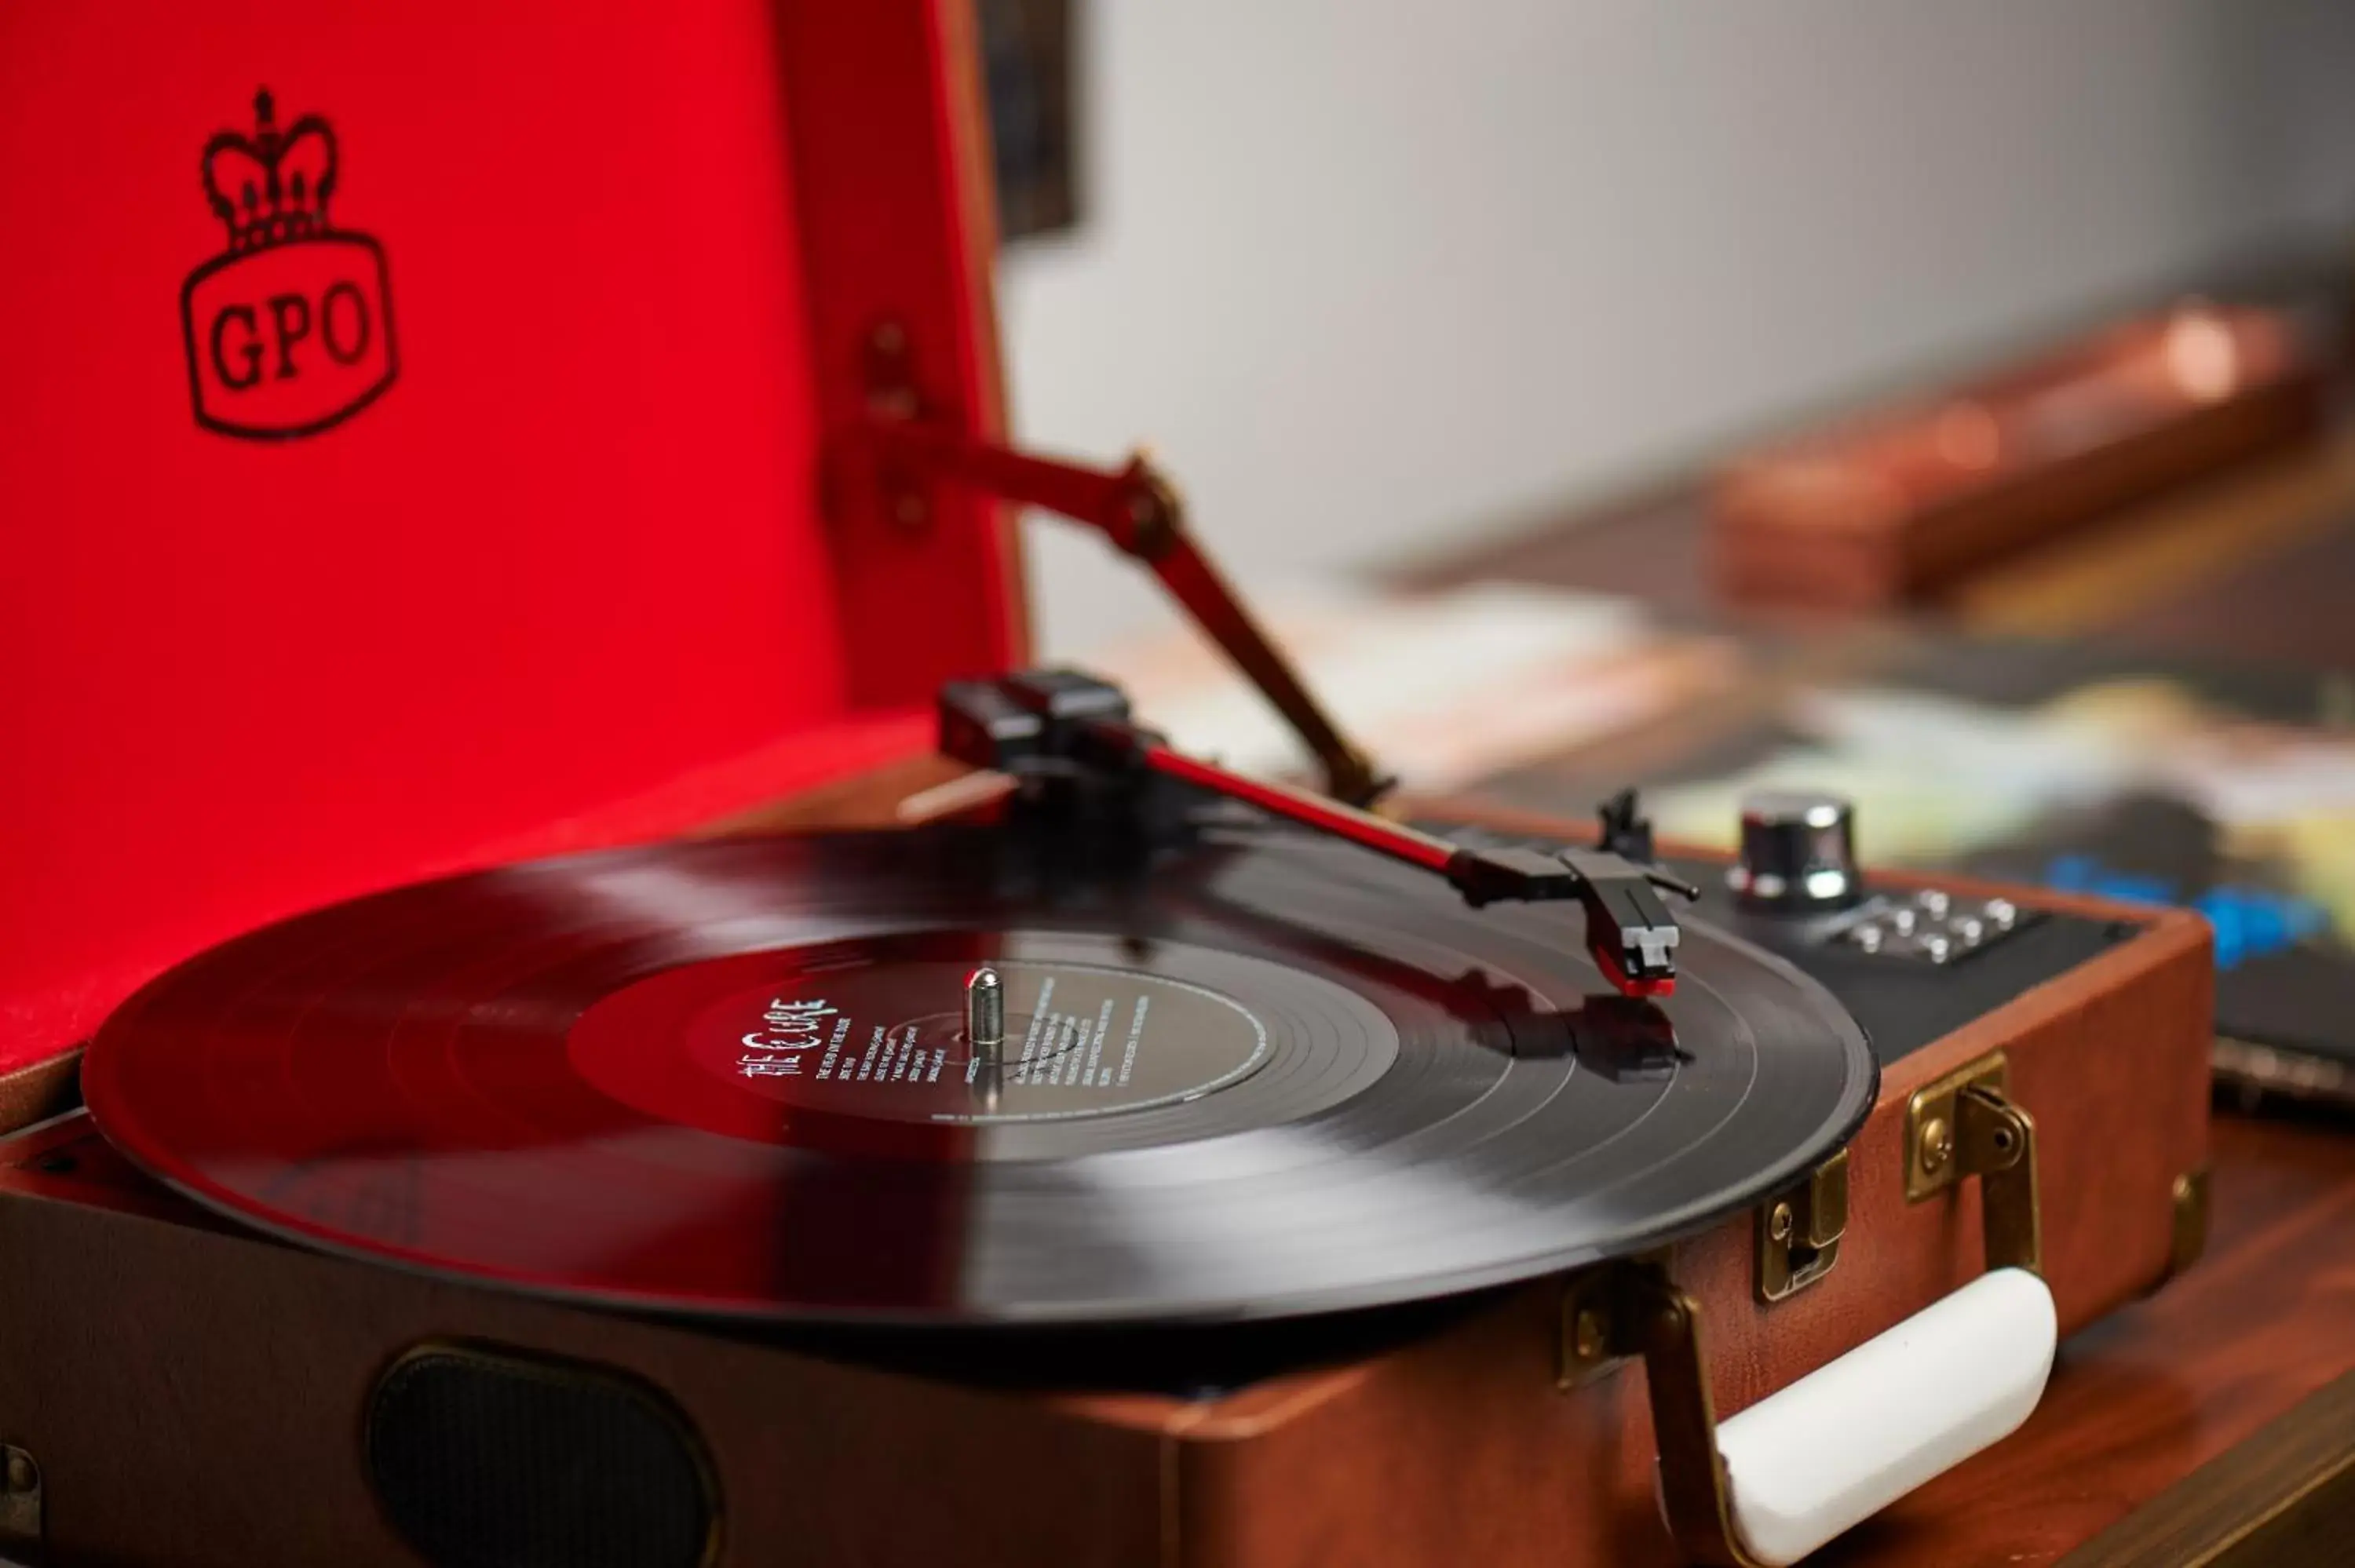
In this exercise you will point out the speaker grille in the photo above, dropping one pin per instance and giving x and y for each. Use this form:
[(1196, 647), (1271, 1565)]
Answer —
[(487, 1460)]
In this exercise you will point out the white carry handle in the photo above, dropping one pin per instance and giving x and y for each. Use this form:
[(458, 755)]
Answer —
[(1783, 1478), (1850, 1438)]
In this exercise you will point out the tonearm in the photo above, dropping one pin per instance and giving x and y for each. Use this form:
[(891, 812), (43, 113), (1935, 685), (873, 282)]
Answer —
[(1046, 724), (1054, 722)]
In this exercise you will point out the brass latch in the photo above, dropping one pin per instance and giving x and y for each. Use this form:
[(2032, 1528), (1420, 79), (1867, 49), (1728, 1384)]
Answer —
[(1799, 1231), (1963, 1125)]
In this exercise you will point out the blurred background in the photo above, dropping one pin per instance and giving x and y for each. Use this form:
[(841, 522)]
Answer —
[(1381, 280), (1942, 405)]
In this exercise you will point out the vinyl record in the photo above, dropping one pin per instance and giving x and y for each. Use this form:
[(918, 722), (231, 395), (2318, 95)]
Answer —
[(1261, 1075)]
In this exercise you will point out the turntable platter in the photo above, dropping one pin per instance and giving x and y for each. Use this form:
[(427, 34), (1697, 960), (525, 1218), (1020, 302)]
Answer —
[(1264, 1076)]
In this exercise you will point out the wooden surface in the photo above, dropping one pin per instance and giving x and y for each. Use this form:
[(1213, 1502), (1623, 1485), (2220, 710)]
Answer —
[(2287, 1495)]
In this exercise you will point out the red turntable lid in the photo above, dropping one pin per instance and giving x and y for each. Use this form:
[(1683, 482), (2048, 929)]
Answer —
[(412, 436)]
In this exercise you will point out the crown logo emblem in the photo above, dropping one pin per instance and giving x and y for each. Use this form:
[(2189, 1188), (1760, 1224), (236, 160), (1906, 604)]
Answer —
[(288, 330), (272, 185)]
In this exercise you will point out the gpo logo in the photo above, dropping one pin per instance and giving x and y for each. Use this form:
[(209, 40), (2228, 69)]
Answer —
[(290, 330)]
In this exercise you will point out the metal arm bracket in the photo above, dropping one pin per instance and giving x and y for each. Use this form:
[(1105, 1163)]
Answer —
[(1134, 507)]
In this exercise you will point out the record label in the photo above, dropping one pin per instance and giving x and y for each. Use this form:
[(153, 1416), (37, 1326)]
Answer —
[(860, 1045), (888, 1040)]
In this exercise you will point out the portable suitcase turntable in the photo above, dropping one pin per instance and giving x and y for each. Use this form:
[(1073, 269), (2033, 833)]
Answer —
[(1054, 1150)]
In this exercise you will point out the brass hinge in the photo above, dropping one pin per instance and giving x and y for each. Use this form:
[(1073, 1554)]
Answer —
[(1799, 1231), (1963, 1125)]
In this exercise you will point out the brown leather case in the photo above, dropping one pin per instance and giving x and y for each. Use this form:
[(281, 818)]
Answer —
[(193, 1393)]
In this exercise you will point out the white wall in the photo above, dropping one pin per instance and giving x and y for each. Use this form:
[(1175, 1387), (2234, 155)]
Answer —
[(1374, 276)]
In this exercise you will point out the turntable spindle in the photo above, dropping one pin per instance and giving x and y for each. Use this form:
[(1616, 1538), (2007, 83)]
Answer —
[(984, 1013)]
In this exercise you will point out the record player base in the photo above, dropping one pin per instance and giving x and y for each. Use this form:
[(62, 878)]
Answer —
[(194, 1393), (2114, 1468)]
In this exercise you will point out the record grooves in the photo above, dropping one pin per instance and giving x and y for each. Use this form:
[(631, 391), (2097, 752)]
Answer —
[(1260, 1076)]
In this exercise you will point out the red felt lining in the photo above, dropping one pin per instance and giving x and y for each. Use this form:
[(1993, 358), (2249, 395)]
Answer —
[(564, 582)]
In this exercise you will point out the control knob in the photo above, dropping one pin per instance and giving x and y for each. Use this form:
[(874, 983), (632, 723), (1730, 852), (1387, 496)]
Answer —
[(1798, 853)]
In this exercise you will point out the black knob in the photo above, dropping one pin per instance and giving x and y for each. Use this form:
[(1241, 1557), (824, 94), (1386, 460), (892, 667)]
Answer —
[(1798, 853)]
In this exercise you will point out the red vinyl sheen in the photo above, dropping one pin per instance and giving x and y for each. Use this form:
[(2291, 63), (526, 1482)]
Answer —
[(565, 581)]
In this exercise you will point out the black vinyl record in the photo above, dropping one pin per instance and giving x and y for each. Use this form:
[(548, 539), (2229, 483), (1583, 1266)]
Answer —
[(1260, 1076)]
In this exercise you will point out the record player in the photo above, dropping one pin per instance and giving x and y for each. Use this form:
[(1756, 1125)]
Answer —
[(629, 1028)]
